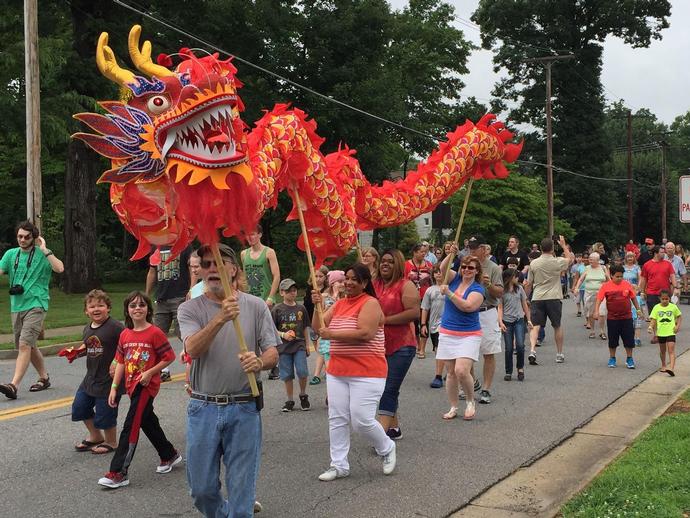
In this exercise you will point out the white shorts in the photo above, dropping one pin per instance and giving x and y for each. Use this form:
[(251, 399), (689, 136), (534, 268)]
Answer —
[(491, 332), (451, 347)]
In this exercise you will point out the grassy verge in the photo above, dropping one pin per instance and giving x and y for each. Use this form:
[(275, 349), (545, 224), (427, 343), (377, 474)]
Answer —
[(48, 341), (651, 479), (66, 309)]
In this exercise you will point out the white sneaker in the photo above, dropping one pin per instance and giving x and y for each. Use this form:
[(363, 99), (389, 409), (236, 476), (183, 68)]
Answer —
[(331, 474), (258, 507), (389, 461), (166, 467), (560, 358)]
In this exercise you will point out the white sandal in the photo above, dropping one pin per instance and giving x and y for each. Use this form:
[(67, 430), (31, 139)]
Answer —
[(451, 414), (470, 411)]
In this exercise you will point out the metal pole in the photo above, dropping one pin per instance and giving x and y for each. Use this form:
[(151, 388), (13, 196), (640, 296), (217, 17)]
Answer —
[(630, 183), (549, 151), (663, 189), (34, 192)]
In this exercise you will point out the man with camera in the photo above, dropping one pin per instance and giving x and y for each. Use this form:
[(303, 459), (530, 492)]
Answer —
[(29, 267), (544, 280)]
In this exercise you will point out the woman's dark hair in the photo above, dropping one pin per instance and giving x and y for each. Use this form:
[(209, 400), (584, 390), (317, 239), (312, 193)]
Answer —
[(134, 295), (472, 259), (362, 274), (616, 268), (508, 275)]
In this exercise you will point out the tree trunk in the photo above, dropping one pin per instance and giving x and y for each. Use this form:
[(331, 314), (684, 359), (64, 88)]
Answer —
[(80, 219)]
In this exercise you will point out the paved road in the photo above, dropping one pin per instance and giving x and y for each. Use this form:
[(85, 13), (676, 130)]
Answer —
[(441, 465)]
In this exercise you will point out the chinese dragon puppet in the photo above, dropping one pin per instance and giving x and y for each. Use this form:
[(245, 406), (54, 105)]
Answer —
[(184, 165)]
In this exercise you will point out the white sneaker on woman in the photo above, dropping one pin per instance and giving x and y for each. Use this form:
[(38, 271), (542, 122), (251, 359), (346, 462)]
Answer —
[(331, 474), (389, 461)]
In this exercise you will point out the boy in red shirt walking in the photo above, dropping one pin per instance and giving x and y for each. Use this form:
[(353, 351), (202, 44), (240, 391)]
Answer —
[(619, 294)]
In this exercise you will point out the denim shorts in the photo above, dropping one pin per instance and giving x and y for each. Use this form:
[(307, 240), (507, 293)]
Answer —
[(291, 362), (83, 406)]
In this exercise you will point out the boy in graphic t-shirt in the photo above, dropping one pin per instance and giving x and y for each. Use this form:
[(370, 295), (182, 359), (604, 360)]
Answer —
[(292, 320), (666, 318)]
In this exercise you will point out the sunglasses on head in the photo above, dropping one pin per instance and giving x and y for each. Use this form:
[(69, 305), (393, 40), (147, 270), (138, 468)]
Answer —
[(468, 267)]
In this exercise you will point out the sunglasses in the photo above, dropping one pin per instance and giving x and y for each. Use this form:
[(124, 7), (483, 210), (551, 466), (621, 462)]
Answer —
[(207, 264), (468, 267), (135, 305)]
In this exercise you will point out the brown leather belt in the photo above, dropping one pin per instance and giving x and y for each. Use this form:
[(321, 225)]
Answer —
[(223, 399)]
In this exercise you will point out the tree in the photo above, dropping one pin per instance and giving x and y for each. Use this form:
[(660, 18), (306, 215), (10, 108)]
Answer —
[(522, 29)]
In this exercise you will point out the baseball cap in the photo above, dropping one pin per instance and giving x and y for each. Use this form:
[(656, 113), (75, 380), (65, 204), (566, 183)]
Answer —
[(648, 241), (225, 251), (286, 284), (474, 241)]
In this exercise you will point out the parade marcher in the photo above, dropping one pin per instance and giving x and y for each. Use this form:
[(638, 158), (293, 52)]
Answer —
[(399, 300), (618, 294), (430, 255), (594, 276), (678, 265), (511, 313), (371, 257), (29, 267), (513, 251), (198, 285), (418, 270), (666, 319), (657, 275), (261, 268), (321, 276), (99, 344), (432, 308), (220, 389), (544, 281), (143, 351), (356, 372), (460, 334), (646, 254)]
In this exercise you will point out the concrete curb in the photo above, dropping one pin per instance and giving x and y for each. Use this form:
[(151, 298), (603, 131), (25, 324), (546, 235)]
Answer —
[(541, 488), (47, 350)]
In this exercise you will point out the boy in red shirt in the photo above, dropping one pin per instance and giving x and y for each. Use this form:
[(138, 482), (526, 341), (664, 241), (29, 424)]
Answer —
[(619, 294), (142, 353)]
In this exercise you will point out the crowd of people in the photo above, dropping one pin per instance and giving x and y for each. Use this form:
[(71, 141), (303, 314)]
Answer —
[(366, 325)]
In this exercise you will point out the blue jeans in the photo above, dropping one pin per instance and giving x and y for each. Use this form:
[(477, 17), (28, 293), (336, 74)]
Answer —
[(514, 331), (398, 364), (230, 431)]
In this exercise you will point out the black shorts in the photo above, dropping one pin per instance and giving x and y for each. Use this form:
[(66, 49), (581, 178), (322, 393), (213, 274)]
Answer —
[(623, 329), (664, 339), (541, 309)]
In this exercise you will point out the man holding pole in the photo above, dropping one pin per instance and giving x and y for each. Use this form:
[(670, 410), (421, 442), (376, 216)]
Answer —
[(223, 417)]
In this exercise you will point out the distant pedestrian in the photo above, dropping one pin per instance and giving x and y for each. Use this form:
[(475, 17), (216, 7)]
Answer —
[(513, 252), (432, 309), (594, 276), (371, 257), (666, 319), (261, 267), (321, 276), (143, 351), (512, 310), (29, 267), (418, 270), (657, 275)]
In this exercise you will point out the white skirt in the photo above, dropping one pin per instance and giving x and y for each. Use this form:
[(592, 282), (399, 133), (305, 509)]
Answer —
[(451, 347)]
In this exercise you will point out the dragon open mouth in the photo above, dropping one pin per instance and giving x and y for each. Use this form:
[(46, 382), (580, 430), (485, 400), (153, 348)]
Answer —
[(202, 136)]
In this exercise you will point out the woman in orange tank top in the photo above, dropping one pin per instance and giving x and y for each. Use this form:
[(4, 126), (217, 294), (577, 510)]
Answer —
[(356, 371)]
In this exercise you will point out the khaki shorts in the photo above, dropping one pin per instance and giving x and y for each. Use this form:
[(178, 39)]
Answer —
[(27, 325), (491, 332)]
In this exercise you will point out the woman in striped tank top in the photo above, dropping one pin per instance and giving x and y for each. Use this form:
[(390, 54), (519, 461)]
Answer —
[(356, 371)]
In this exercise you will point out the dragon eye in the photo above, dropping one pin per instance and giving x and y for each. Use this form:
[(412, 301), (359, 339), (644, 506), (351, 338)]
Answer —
[(158, 104)]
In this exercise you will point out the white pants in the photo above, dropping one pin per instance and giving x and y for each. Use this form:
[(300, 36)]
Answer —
[(353, 401)]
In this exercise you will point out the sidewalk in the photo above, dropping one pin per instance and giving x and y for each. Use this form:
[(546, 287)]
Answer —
[(47, 350), (541, 488)]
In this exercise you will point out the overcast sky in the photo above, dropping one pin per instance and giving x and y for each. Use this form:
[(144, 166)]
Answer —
[(657, 77)]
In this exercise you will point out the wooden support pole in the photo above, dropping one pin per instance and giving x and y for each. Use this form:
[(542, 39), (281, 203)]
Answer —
[(227, 287), (457, 233)]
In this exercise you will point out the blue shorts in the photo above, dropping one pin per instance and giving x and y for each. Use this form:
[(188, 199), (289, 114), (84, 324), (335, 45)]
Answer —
[(291, 362), (97, 408)]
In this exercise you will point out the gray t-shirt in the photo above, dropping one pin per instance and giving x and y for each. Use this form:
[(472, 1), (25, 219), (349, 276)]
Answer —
[(218, 370), (496, 279), (433, 302), (512, 305)]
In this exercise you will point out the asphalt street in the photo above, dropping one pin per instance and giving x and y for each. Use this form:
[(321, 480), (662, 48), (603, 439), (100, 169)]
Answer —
[(441, 465)]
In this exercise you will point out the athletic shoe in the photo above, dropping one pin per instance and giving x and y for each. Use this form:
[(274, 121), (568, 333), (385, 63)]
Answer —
[(258, 507), (437, 383), (165, 375), (579, 313), (394, 433), (331, 474), (477, 388), (560, 358), (540, 343), (289, 406), (274, 374), (612, 363), (630, 363), (167, 466), (113, 480), (389, 461), (532, 358), (304, 402), (507, 377), (315, 380), (521, 376), (485, 397), (638, 342)]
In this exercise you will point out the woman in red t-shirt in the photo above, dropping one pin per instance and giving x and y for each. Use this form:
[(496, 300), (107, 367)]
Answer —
[(418, 270)]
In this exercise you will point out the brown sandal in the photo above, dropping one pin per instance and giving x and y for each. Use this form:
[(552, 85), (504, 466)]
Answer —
[(41, 384), (10, 390)]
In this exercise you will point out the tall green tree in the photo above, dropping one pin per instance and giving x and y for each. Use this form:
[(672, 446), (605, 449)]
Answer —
[(517, 30)]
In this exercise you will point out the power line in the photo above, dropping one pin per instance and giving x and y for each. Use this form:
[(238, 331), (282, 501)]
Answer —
[(567, 171)]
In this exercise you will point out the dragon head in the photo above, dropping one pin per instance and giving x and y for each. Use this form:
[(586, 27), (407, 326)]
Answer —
[(183, 122)]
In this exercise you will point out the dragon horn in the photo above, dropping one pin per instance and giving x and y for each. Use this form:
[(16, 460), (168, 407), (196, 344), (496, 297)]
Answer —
[(142, 59), (107, 64)]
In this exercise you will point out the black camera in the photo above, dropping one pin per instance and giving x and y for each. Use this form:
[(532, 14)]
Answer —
[(556, 238), (17, 289)]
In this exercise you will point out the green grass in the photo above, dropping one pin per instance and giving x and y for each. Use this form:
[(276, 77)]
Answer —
[(66, 310), (48, 341), (650, 479)]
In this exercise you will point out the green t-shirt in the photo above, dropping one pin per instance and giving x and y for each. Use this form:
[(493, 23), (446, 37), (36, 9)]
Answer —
[(36, 280), (665, 318)]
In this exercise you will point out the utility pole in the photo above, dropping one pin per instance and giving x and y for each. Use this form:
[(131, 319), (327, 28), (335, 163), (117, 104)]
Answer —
[(34, 192), (547, 61), (663, 144), (630, 186)]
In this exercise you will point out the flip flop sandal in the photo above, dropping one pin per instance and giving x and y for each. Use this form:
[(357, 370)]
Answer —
[(104, 448), (9, 390), (41, 384), (470, 411), (670, 372), (86, 445), (592, 335), (603, 336), (451, 414)]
